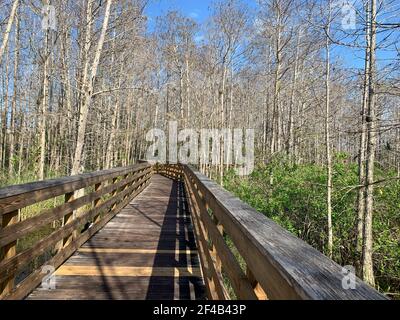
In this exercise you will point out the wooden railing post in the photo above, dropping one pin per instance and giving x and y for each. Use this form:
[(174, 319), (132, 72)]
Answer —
[(113, 194), (97, 202), (137, 180), (68, 218), (260, 293), (77, 212), (218, 264), (8, 251), (213, 276), (125, 187)]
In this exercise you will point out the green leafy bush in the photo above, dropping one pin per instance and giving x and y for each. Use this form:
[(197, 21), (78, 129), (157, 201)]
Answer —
[(294, 196)]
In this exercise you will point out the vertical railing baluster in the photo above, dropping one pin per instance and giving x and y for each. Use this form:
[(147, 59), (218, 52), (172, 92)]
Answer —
[(260, 293), (8, 251), (113, 194), (97, 202), (218, 263), (68, 218), (126, 186)]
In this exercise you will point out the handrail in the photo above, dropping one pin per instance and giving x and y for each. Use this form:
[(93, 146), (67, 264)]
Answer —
[(261, 260), (278, 265), (107, 192)]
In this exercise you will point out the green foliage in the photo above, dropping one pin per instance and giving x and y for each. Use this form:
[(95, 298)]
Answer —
[(294, 196), (29, 175)]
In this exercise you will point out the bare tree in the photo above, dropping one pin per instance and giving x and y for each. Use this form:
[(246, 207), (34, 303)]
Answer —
[(367, 263), (88, 84), (328, 130), (8, 28)]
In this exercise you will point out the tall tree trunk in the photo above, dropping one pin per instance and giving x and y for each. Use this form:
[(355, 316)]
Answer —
[(361, 153), (14, 100), (229, 148), (367, 262), (327, 136), (44, 108), (21, 148), (290, 143), (188, 111), (88, 90), (8, 29), (110, 141), (181, 99), (65, 76), (110, 144), (5, 112), (222, 114), (275, 140)]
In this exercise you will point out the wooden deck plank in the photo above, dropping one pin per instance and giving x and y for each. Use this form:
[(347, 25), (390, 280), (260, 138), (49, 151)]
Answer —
[(128, 288), (141, 260), (112, 250), (123, 271), (147, 251)]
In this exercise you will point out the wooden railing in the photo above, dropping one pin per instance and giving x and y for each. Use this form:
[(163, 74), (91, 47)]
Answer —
[(172, 171), (81, 215), (243, 254), (242, 250)]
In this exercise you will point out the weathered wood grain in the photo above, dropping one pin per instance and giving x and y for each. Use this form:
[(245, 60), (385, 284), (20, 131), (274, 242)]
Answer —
[(33, 280), (160, 238), (215, 279), (8, 251), (238, 279), (12, 262), (285, 266), (32, 224), (12, 265), (111, 261), (16, 197)]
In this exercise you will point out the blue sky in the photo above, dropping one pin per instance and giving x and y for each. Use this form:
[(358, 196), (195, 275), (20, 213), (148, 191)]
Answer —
[(196, 9), (199, 11)]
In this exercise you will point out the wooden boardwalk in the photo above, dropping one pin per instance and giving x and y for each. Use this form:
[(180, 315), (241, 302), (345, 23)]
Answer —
[(147, 251), (143, 242)]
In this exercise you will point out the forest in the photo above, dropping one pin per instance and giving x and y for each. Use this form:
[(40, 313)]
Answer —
[(83, 81)]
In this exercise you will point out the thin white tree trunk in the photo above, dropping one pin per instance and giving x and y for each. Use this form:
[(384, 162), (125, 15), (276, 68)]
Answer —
[(14, 100), (222, 103), (328, 138), (361, 153), (88, 92), (44, 108), (290, 152), (367, 262), (275, 140), (8, 29)]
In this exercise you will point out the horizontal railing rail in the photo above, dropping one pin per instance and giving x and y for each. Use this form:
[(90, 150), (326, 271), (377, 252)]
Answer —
[(90, 201), (244, 251), (172, 171), (243, 254)]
